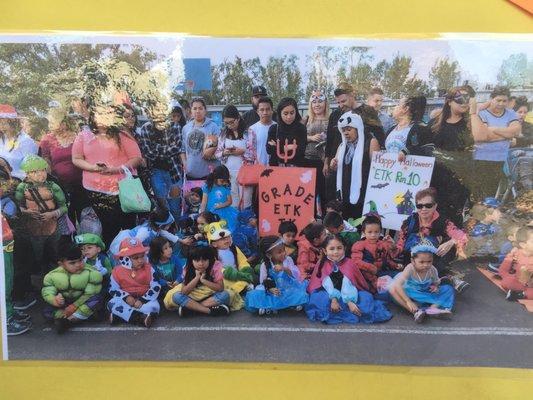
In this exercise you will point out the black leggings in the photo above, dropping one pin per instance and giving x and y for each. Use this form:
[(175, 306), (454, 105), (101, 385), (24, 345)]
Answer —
[(320, 185)]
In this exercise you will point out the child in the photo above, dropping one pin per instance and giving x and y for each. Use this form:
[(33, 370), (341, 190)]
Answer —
[(338, 291), (92, 248), (133, 288), (288, 231), (335, 225), (336, 206), (309, 248), (485, 233), (373, 255), (202, 221), (193, 199), (41, 202), (202, 289), (279, 286), (245, 235), (217, 196), (517, 268), (168, 267), (238, 275), (418, 288), (72, 290)]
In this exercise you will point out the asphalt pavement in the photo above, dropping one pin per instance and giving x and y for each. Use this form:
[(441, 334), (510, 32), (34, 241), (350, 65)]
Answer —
[(486, 330)]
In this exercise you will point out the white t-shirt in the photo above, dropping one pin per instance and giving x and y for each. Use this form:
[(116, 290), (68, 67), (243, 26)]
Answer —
[(261, 135), (397, 139)]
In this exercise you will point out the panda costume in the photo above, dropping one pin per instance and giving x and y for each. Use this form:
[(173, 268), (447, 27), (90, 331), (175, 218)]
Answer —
[(353, 165)]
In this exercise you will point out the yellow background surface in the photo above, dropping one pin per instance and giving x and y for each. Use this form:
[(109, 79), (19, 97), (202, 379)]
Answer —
[(262, 18)]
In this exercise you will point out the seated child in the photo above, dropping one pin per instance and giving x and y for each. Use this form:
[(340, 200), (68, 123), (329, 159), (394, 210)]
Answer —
[(72, 290), (417, 288), (193, 200), (245, 235), (92, 248), (279, 285), (288, 231), (41, 203), (238, 275), (309, 248), (373, 255), (204, 219), (217, 196), (335, 225), (338, 291), (517, 268), (168, 267), (506, 247), (202, 289), (485, 235), (133, 289)]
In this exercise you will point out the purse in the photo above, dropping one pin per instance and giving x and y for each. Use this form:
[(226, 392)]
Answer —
[(131, 194), (249, 174)]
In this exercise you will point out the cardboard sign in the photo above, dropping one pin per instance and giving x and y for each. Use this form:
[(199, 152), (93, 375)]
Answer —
[(285, 194), (392, 186)]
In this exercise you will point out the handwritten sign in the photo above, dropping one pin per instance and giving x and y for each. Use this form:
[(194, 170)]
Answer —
[(285, 194), (392, 186)]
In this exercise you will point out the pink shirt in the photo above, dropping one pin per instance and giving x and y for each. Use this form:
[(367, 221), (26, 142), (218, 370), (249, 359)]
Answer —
[(101, 149), (61, 158)]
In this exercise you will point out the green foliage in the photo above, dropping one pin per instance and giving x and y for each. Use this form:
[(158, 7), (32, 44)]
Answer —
[(516, 71), (444, 74)]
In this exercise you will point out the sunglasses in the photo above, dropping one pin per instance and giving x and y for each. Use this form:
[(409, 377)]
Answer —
[(424, 205), (461, 99)]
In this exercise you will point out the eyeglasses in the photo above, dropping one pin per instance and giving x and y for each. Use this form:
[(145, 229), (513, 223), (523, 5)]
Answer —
[(424, 205), (230, 121)]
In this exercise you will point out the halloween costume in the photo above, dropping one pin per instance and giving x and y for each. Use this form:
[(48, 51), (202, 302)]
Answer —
[(292, 291), (514, 265), (308, 256), (140, 284), (245, 236), (344, 282)]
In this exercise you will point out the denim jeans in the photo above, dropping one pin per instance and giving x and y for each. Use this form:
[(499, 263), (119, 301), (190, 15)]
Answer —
[(162, 185)]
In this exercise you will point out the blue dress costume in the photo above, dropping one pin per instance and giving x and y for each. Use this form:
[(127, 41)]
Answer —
[(245, 237), (219, 194), (292, 292), (417, 288), (344, 282)]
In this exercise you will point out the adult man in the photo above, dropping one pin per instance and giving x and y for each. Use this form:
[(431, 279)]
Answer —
[(493, 128), (250, 117), (345, 98), (375, 100), (265, 110)]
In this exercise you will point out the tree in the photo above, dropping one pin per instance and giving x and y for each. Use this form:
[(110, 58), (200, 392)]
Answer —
[(416, 87), (282, 78), (444, 74), (515, 71), (395, 76), (324, 62)]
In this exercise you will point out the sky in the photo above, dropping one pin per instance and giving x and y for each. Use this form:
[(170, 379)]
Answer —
[(479, 55)]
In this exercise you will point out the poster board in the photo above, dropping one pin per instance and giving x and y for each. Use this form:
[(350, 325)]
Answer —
[(286, 194), (393, 184)]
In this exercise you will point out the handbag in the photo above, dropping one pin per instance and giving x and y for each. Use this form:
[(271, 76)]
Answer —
[(131, 194), (249, 174)]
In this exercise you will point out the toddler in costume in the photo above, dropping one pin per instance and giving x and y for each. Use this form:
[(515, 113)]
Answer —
[(72, 290), (279, 285), (168, 267), (133, 289), (338, 291), (418, 288), (517, 267), (217, 196), (288, 232), (309, 248)]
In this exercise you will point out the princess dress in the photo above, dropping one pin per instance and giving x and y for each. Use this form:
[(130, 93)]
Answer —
[(218, 195), (417, 288)]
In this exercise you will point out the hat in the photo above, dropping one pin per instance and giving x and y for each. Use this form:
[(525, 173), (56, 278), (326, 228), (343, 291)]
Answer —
[(259, 90), (33, 162), (350, 118), (89, 238), (131, 246), (491, 202), (216, 231), (7, 111)]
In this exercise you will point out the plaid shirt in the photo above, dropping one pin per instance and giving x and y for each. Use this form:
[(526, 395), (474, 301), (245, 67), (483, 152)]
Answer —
[(162, 147)]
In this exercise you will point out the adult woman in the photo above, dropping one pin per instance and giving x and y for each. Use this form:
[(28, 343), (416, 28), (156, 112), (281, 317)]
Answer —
[(352, 163), (101, 154), (289, 129), (56, 148), (15, 144), (522, 108), (427, 224), (236, 146), (316, 123), (197, 146)]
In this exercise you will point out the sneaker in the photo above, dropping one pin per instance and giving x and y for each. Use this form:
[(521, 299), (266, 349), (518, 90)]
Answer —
[(261, 311), (459, 285), (21, 316), (15, 327), (250, 286), (492, 267), (419, 316), (514, 295), (149, 320), (443, 313), (221, 309), (61, 325), (29, 300), (298, 308), (184, 312)]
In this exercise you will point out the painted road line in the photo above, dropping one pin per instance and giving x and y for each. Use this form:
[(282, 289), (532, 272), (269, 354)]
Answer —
[(458, 331)]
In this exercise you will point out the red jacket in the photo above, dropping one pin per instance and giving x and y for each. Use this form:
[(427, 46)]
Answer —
[(308, 256), (136, 285), (348, 269)]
